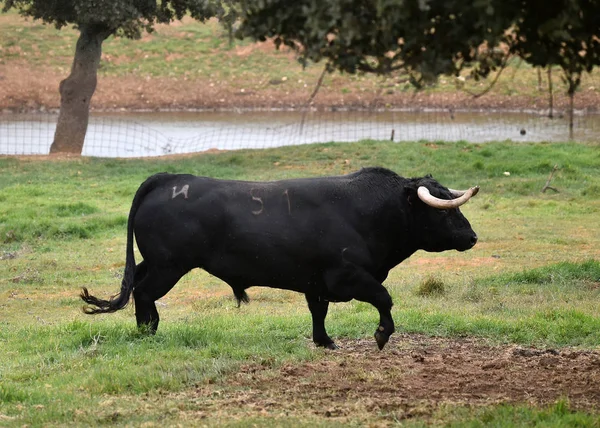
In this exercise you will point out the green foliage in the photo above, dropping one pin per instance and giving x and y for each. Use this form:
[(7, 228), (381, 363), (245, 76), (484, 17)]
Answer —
[(423, 38), (122, 17), (429, 38), (561, 33)]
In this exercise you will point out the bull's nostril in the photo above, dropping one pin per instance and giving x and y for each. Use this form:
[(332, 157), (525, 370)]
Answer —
[(473, 240)]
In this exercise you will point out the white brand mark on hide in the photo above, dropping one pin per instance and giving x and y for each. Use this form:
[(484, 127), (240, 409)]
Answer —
[(287, 195), (184, 191), (259, 200)]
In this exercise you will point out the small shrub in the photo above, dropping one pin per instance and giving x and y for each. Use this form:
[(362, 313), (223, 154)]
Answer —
[(11, 394), (478, 165), (431, 287), (592, 190)]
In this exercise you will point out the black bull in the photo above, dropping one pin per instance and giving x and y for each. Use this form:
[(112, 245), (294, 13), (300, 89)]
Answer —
[(332, 238)]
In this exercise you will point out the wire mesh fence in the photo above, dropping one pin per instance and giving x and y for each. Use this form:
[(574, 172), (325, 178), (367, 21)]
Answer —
[(157, 134)]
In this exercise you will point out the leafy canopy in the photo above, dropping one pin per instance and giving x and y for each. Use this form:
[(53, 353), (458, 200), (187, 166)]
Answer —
[(561, 32), (120, 17), (427, 38), (424, 37)]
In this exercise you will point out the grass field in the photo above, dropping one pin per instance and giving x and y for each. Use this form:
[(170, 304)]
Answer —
[(533, 281)]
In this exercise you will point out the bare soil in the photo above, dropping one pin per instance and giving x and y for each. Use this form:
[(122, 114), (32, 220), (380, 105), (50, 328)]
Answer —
[(25, 89), (412, 377)]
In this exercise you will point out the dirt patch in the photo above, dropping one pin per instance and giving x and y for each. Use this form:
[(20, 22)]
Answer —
[(413, 376), (267, 48), (32, 89)]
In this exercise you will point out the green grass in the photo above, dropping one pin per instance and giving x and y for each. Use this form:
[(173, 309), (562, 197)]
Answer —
[(557, 415), (533, 279)]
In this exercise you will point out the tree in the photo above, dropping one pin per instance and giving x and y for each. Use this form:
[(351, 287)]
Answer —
[(97, 20), (427, 38), (562, 33)]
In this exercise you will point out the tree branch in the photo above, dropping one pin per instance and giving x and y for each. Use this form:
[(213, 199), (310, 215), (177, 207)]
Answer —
[(547, 185), (489, 88), (312, 97)]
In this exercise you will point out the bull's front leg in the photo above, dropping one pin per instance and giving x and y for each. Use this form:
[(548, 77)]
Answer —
[(318, 309), (383, 302), (353, 282)]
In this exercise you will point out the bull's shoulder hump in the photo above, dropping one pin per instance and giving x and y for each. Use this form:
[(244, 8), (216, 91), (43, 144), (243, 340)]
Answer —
[(376, 171), (369, 173)]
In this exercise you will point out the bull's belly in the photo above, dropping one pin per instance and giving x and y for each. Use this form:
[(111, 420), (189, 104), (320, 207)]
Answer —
[(261, 270)]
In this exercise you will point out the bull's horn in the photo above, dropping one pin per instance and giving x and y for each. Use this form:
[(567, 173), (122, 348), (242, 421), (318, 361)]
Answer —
[(457, 193), (445, 204)]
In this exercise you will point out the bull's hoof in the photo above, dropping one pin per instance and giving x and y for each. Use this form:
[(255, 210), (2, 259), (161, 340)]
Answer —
[(381, 338)]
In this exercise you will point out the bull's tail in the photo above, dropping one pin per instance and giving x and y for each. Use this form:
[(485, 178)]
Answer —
[(119, 301)]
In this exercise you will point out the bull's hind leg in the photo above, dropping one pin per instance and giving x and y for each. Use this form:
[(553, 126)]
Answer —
[(318, 309), (155, 284), (140, 272)]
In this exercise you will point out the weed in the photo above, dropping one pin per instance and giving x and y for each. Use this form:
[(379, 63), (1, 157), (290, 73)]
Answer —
[(478, 165), (592, 191), (431, 286)]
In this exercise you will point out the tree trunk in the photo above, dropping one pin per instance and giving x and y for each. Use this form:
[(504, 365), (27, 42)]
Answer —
[(550, 95), (573, 79), (571, 97), (77, 89)]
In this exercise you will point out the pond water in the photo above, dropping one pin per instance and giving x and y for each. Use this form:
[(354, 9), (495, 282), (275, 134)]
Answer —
[(160, 133)]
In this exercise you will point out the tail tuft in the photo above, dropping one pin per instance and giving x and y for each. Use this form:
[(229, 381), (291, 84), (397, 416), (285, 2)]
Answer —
[(101, 306)]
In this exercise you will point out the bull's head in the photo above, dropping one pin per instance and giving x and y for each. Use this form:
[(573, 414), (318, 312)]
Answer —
[(439, 224)]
